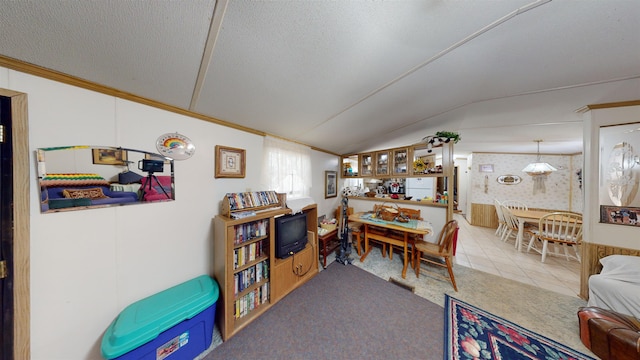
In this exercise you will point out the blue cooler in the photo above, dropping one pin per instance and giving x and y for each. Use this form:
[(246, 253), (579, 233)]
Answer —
[(176, 323)]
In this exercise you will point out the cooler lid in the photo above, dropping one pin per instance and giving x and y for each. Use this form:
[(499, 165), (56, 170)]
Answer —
[(145, 319)]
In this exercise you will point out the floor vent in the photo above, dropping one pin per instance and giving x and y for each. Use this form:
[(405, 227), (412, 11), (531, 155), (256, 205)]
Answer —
[(402, 285)]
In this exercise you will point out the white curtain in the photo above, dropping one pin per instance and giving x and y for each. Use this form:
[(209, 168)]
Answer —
[(287, 167)]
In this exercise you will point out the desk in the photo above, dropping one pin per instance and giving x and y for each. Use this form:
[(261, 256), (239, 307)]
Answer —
[(404, 243), (328, 243), (526, 216)]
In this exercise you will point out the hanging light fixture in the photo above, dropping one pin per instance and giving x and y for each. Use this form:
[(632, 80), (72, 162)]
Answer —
[(539, 171), (538, 167)]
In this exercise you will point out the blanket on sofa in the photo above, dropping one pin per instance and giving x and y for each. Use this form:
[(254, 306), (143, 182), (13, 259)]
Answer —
[(617, 287)]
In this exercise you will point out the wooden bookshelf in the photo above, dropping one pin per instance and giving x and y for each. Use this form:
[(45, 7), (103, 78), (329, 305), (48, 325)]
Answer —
[(251, 279), (251, 202)]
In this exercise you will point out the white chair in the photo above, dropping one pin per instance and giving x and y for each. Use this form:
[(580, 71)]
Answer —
[(515, 204), (502, 224), (511, 225), (561, 229)]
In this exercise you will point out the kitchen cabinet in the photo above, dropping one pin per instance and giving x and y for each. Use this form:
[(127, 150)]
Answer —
[(382, 163)]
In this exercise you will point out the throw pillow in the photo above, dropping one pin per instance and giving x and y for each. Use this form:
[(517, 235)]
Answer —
[(92, 193)]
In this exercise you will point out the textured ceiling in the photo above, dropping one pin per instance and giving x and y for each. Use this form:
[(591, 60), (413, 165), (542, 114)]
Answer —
[(351, 76)]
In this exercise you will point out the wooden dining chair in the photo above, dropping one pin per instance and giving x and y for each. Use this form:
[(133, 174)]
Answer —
[(413, 214), (560, 229), (439, 254)]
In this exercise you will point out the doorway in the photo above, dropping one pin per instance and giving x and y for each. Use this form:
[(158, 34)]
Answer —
[(14, 233), (6, 230)]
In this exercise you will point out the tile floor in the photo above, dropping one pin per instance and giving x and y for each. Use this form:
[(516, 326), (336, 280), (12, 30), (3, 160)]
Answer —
[(479, 248)]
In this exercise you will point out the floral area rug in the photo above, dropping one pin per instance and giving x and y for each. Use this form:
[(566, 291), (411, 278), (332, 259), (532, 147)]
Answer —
[(472, 333)]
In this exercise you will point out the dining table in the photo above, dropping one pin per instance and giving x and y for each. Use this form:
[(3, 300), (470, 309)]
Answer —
[(524, 217), (418, 227)]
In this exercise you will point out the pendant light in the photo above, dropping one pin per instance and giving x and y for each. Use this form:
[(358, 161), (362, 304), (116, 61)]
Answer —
[(539, 171), (538, 167)]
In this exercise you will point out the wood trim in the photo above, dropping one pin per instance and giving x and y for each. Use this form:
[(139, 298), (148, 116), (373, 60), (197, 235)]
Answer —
[(484, 215), (613, 104), (590, 262), (21, 231)]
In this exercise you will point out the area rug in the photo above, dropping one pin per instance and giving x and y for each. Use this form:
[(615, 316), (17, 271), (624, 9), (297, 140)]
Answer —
[(472, 333)]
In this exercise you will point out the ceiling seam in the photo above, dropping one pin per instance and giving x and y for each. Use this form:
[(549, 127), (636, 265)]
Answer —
[(442, 53), (214, 30), (516, 95)]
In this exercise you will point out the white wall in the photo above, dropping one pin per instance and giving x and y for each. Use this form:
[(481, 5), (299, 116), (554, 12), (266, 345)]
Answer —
[(594, 231), (562, 192), (86, 266)]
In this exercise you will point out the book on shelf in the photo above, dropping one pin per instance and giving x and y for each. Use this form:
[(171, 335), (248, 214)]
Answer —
[(251, 301), (243, 214), (248, 231), (239, 201)]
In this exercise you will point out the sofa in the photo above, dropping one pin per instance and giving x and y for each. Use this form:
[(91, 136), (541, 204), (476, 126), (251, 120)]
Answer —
[(60, 191), (617, 286), (608, 334)]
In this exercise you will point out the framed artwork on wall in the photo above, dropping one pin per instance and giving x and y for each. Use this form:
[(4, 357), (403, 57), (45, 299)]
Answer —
[(230, 162), (620, 215), (330, 184), (109, 157)]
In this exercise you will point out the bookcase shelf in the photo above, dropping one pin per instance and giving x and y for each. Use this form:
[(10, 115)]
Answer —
[(251, 278), (251, 202)]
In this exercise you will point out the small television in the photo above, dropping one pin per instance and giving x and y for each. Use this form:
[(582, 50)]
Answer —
[(291, 234)]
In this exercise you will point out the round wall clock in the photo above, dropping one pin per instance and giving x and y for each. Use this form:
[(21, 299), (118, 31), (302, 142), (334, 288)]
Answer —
[(175, 146)]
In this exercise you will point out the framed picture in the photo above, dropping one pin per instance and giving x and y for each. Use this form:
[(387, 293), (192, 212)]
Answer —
[(486, 167), (620, 215), (330, 184), (230, 162), (157, 157), (109, 157)]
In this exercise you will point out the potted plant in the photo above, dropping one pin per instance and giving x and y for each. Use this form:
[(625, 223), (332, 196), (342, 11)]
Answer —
[(449, 135)]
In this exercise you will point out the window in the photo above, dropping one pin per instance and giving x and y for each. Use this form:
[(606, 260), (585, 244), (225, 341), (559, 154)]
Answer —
[(287, 167)]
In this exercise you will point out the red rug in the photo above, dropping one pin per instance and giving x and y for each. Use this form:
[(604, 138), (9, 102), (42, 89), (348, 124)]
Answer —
[(472, 333)]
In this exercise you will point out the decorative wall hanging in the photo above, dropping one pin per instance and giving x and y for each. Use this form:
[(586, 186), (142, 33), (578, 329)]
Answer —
[(230, 162), (619, 174), (330, 184), (509, 179), (619, 215), (175, 146)]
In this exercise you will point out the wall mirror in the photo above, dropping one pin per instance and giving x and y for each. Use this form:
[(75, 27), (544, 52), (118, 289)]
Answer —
[(86, 177)]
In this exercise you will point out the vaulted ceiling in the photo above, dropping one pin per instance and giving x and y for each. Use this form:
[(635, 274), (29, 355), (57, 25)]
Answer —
[(351, 76)]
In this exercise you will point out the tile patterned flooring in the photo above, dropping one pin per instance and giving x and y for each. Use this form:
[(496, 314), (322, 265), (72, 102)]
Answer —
[(479, 248)]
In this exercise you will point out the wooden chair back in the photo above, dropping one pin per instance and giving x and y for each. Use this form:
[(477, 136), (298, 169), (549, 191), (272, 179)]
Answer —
[(511, 220), (562, 227), (447, 236), (515, 204)]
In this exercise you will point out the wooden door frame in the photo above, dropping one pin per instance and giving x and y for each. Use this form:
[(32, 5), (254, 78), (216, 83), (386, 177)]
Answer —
[(21, 215)]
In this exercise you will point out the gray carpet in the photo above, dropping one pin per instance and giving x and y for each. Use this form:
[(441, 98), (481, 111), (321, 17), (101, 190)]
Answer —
[(343, 312), (548, 313)]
